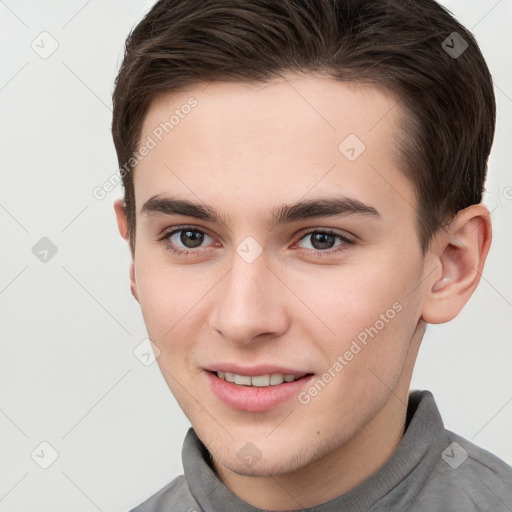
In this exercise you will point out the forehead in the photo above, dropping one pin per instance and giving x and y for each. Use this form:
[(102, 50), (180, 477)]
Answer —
[(250, 146)]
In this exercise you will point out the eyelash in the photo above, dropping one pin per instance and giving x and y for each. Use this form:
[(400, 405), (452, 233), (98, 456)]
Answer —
[(165, 239)]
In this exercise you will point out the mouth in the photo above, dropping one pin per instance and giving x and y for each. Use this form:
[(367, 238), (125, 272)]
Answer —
[(256, 393), (260, 381)]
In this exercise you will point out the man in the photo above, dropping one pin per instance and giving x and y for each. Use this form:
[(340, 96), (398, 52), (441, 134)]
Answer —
[(303, 183)]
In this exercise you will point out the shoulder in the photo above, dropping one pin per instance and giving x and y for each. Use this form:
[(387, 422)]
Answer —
[(466, 477), (174, 496)]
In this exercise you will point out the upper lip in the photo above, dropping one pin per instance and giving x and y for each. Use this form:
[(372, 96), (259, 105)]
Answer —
[(252, 371)]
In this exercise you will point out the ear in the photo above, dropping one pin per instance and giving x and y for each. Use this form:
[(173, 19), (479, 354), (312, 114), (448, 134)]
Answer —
[(459, 251), (122, 225)]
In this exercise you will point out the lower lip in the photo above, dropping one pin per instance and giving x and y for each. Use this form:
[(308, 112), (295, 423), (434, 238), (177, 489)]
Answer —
[(253, 398)]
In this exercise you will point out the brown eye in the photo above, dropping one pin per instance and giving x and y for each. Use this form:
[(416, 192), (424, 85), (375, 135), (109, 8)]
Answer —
[(324, 240), (185, 240), (191, 238)]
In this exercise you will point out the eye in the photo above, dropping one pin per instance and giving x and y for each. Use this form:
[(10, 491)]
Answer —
[(184, 240), (322, 240), (188, 241)]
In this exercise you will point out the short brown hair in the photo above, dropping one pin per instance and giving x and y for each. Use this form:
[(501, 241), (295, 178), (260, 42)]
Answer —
[(403, 45)]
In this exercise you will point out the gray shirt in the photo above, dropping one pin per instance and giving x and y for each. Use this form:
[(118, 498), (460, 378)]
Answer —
[(431, 470)]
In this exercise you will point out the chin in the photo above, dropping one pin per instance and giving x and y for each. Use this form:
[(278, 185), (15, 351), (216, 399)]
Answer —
[(267, 462), (263, 468)]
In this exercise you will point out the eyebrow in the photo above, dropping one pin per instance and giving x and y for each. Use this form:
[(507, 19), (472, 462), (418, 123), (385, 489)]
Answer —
[(283, 214)]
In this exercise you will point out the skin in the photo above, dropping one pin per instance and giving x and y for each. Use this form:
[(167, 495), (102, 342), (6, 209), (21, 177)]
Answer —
[(245, 149)]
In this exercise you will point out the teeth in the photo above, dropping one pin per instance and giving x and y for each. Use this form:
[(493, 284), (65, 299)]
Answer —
[(260, 381), (276, 378), (243, 380)]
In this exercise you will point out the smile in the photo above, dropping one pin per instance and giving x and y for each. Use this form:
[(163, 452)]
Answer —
[(256, 393), (261, 381)]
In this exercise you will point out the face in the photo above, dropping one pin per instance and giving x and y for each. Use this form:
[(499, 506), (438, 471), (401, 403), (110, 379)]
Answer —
[(329, 289)]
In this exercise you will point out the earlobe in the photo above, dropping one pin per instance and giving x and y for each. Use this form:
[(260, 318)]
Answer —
[(460, 253)]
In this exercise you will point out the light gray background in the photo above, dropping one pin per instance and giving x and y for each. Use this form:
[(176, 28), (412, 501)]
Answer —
[(69, 326)]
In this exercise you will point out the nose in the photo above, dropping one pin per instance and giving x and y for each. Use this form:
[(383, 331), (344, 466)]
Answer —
[(250, 303)]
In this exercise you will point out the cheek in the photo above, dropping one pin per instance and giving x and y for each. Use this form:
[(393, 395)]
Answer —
[(169, 302), (373, 318), (353, 298), (168, 297), (371, 315)]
